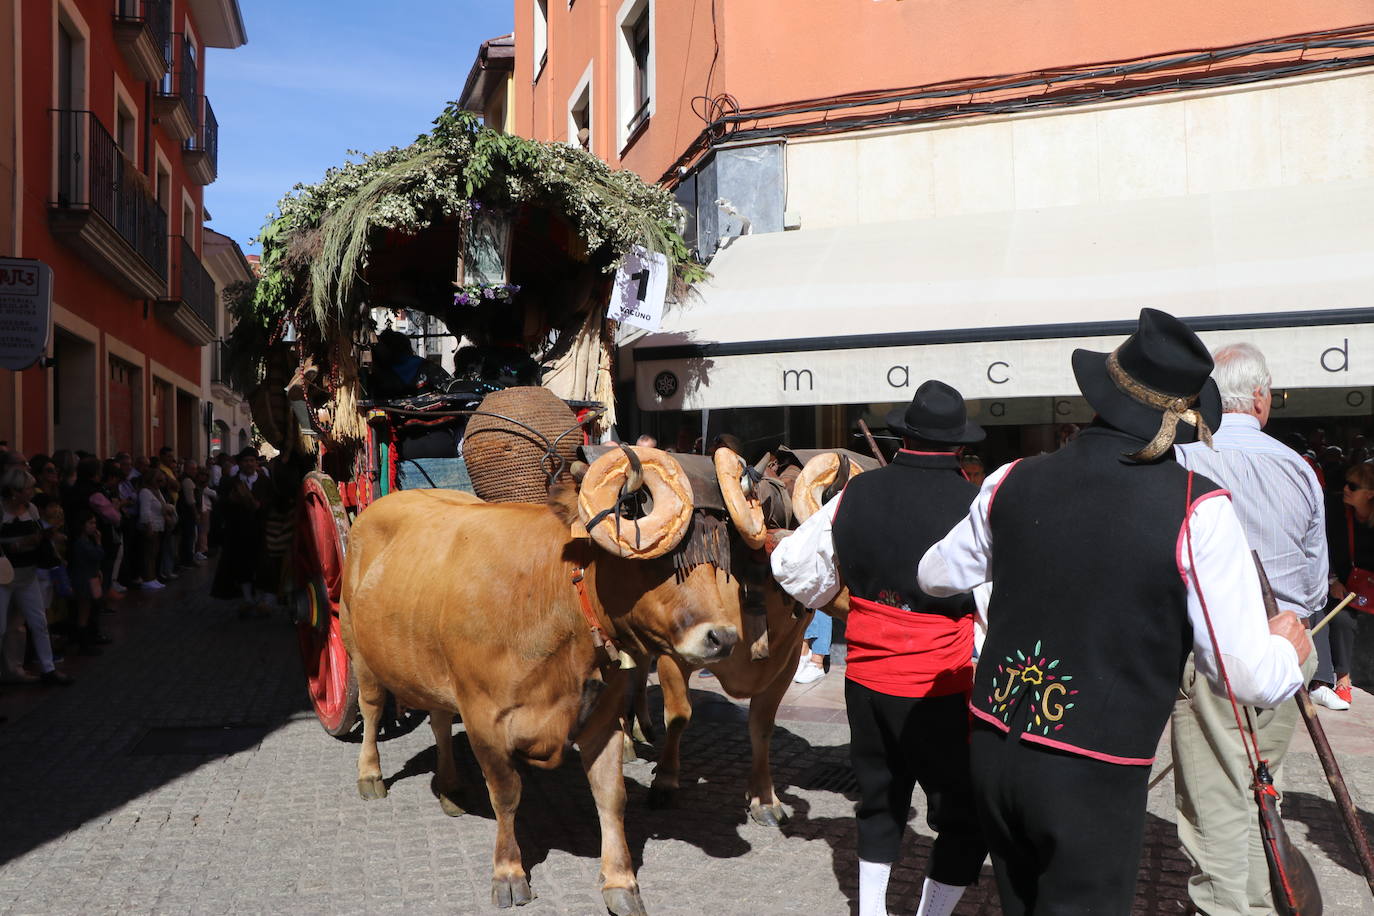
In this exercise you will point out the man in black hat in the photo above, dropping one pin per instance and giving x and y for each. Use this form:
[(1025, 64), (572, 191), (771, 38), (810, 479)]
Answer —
[(909, 669), (1109, 562)]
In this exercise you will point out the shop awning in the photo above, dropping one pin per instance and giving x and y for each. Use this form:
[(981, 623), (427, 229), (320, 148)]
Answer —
[(995, 303)]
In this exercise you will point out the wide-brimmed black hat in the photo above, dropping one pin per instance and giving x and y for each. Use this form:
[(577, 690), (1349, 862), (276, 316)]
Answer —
[(937, 414), (1157, 385)]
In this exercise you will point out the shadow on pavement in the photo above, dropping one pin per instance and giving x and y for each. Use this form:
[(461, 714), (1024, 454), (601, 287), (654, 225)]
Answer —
[(182, 663), (1326, 827), (557, 811)]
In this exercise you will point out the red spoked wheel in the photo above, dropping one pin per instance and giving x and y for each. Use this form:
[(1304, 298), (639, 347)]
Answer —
[(321, 539)]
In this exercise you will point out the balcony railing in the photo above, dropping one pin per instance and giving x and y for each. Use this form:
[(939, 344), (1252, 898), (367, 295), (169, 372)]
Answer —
[(191, 282), (219, 364), (188, 81), (143, 30), (202, 150), (94, 179), (177, 102)]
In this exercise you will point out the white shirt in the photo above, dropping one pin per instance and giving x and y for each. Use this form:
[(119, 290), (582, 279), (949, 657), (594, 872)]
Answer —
[(1263, 667), (804, 562), (1280, 506)]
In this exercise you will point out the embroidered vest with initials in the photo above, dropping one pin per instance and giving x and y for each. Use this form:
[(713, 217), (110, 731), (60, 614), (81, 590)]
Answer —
[(1088, 628)]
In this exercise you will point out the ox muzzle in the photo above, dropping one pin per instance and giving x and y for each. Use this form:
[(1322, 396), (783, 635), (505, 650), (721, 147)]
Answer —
[(705, 644)]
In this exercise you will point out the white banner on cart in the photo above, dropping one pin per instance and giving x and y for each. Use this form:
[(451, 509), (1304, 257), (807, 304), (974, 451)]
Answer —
[(641, 286)]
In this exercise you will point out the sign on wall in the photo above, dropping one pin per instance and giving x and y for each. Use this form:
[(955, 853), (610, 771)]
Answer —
[(1299, 357), (641, 286), (25, 311)]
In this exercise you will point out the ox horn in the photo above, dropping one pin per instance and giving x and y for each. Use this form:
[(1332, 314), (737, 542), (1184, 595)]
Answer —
[(635, 479), (749, 481)]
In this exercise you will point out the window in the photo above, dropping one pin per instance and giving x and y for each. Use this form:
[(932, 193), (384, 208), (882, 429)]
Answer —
[(126, 130), (635, 67), (580, 113), (639, 44), (164, 187), (541, 36), (188, 224)]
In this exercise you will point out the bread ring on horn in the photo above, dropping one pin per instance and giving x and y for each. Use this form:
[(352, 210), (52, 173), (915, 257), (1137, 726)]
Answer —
[(746, 512), (820, 472), (659, 531)]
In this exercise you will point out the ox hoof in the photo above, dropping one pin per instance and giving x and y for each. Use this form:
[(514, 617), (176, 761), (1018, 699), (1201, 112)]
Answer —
[(624, 901), (370, 787), (768, 815), (660, 798), (508, 892), (451, 806)]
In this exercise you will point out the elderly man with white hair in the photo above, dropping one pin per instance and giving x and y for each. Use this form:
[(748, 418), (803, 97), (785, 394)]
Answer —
[(1280, 506)]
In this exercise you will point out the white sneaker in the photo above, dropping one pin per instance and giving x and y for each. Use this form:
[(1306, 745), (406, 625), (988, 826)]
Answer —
[(1325, 696), (807, 672), (117, 588), (152, 585)]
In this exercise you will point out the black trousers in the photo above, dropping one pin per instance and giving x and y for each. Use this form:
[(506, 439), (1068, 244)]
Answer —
[(897, 742), (1065, 831)]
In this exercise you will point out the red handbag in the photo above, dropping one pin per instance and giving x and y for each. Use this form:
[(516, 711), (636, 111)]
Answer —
[(1360, 581)]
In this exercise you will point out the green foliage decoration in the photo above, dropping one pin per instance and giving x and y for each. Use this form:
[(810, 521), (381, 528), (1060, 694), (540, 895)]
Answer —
[(316, 245)]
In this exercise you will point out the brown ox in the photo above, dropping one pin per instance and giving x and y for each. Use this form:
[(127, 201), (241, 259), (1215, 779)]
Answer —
[(462, 607), (763, 681)]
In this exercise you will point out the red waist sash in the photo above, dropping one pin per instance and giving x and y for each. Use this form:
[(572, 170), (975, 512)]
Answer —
[(908, 653)]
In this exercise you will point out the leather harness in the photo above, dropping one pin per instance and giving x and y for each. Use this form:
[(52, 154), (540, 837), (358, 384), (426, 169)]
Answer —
[(600, 638)]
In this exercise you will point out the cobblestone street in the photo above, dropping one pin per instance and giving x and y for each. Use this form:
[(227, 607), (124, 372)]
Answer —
[(102, 813)]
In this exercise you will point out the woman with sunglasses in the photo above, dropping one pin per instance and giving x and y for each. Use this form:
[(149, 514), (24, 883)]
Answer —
[(1350, 538)]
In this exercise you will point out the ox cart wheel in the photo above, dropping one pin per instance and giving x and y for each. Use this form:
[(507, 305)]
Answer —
[(321, 542), (321, 536)]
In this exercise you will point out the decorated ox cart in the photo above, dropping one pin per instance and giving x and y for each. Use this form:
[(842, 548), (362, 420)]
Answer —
[(506, 247)]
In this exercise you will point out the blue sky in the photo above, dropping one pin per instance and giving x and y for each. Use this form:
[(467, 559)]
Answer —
[(320, 77)]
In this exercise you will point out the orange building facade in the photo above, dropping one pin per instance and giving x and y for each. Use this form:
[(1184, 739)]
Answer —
[(108, 141), (746, 56)]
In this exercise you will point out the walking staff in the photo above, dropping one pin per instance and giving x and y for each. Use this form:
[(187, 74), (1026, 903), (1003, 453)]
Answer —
[(1094, 609)]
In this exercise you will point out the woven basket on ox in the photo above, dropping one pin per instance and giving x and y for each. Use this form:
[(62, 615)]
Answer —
[(507, 462)]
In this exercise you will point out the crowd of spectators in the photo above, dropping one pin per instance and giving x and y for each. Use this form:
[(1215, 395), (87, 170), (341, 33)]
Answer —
[(79, 532)]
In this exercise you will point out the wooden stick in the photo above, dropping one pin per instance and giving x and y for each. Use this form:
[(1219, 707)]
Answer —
[(872, 443), (1332, 616), (1160, 777), (1349, 816)]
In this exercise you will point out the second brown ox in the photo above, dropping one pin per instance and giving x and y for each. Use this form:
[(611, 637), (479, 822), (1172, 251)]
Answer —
[(460, 607)]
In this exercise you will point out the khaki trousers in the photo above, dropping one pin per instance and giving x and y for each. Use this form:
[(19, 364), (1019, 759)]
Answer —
[(1218, 825)]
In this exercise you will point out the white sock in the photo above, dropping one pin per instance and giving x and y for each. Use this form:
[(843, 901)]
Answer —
[(873, 887), (936, 899)]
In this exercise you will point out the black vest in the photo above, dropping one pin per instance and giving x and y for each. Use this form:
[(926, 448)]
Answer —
[(886, 521), (1088, 627)]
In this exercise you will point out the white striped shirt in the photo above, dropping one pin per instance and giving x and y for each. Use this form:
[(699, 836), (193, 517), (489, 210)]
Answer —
[(1279, 503)]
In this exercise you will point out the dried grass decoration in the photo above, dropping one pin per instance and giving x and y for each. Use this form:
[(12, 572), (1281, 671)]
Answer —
[(506, 460)]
